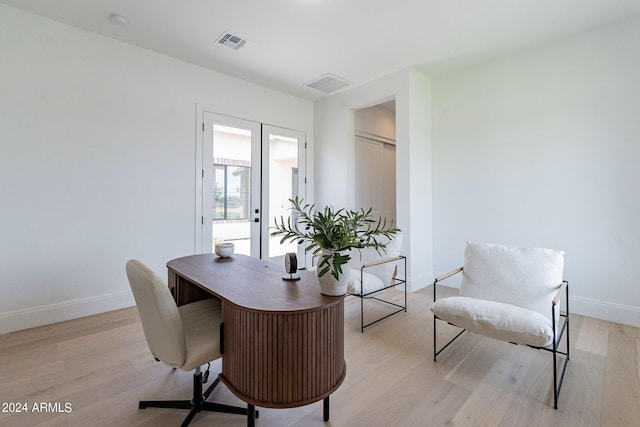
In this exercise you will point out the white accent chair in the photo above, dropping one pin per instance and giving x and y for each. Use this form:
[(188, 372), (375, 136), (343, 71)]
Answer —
[(373, 272), (184, 337), (509, 294)]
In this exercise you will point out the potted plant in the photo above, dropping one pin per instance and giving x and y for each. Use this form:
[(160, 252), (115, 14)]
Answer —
[(332, 234)]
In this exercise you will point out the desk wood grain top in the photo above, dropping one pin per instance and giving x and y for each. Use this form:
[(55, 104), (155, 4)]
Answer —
[(252, 283)]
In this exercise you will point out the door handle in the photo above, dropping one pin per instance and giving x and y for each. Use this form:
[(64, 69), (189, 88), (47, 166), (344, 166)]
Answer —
[(256, 220)]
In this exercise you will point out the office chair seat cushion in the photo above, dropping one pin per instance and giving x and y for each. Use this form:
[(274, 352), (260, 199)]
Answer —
[(496, 320), (370, 283), (201, 322)]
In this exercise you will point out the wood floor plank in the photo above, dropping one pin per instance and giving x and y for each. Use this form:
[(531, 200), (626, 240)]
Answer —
[(28, 360), (399, 398), (35, 419), (102, 366), (438, 407), (593, 336), (471, 370), (494, 392), (57, 332), (621, 395)]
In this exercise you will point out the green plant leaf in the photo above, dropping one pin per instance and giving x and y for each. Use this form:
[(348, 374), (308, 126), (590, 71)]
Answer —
[(335, 230)]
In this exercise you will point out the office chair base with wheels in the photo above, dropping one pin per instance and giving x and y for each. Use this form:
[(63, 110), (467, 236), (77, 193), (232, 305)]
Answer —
[(198, 403)]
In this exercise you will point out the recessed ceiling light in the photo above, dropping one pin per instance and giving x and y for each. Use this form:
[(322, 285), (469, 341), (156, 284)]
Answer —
[(118, 20)]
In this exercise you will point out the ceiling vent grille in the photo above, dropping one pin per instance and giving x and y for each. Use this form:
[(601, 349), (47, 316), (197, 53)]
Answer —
[(328, 83), (231, 40)]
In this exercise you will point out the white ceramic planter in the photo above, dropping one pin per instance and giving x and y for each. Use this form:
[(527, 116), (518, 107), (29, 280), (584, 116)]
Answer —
[(328, 284)]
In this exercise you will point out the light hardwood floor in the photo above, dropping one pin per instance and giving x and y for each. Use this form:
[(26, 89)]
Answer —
[(101, 367)]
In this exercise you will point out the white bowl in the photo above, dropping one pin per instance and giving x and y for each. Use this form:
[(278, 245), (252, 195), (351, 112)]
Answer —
[(225, 249)]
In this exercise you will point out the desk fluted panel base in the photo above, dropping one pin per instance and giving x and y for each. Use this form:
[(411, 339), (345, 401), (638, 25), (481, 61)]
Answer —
[(283, 360)]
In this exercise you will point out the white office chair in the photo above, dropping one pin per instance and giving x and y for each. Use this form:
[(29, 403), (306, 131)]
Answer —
[(509, 294), (184, 337)]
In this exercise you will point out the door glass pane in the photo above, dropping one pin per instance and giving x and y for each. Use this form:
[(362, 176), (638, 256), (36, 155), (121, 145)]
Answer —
[(238, 184), (283, 185), (232, 187), (219, 191)]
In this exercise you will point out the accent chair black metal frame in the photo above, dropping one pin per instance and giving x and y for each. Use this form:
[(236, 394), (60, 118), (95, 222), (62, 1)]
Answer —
[(557, 334), (395, 281)]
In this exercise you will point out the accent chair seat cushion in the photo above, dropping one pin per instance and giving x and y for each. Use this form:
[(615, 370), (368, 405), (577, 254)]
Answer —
[(496, 320), (370, 283)]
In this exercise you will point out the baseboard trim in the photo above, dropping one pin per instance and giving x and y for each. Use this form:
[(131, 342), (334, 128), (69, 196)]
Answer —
[(52, 313), (420, 282), (617, 313)]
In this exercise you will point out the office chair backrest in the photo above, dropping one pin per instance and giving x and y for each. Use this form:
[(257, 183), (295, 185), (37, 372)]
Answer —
[(159, 314), (526, 277)]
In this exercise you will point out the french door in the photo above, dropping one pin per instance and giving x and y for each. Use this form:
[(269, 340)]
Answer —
[(249, 172)]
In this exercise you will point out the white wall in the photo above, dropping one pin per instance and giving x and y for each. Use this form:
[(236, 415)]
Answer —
[(377, 122), (334, 157), (97, 163), (543, 149)]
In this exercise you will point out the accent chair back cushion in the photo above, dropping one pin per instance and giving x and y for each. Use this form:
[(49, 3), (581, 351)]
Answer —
[(385, 271), (159, 314), (525, 277)]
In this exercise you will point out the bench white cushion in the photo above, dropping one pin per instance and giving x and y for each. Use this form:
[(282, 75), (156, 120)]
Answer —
[(496, 320)]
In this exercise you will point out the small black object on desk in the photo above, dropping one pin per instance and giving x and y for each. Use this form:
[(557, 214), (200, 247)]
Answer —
[(291, 266)]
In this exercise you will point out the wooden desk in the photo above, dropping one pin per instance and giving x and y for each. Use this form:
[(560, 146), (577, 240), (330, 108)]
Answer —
[(283, 341)]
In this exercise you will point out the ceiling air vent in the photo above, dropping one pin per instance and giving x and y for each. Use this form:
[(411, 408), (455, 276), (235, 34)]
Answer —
[(231, 40), (328, 83)]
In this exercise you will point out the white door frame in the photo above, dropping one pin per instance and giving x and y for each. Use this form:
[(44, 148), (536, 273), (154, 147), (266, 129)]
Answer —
[(203, 197), (206, 177)]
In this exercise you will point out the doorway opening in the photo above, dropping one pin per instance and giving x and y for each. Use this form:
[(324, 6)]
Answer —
[(375, 160)]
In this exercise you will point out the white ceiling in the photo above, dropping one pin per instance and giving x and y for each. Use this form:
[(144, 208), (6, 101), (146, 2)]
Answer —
[(292, 42)]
